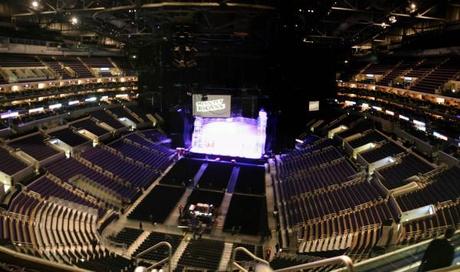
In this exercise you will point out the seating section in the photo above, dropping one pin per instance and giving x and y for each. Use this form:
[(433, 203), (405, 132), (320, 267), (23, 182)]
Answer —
[(247, 215), (128, 170), (122, 112), (437, 77), (447, 214), (149, 210), (369, 137), (336, 208), (442, 187), (216, 176), (381, 68), (300, 160), (315, 179), (153, 135), (97, 62), (385, 150), (69, 137), (127, 236), (150, 156), (55, 66), (201, 253), (9, 164), (70, 168), (34, 146), (76, 66), (251, 180), (153, 239), (182, 173), (103, 116), (54, 230), (48, 186), (403, 68), (395, 175), (426, 75), (90, 126), (109, 263)]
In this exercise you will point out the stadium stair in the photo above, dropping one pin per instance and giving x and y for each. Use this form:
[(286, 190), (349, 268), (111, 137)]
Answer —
[(223, 211), (233, 180), (179, 251), (226, 256), (136, 244), (173, 218)]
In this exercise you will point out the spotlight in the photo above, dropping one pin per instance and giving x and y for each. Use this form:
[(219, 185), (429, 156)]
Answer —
[(412, 7), (74, 20), (345, 61), (392, 19), (384, 25), (35, 4)]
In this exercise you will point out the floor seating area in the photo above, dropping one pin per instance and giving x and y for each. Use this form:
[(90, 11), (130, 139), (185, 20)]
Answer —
[(153, 239), (182, 173), (252, 221), (251, 180), (148, 209), (216, 176), (201, 253)]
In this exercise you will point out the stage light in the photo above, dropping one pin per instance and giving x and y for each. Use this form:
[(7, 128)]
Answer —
[(345, 61), (392, 19), (74, 20), (35, 4), (413, 7), (384, 25)]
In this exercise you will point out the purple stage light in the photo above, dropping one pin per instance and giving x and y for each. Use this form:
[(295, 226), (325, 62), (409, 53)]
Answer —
[(236, 137)]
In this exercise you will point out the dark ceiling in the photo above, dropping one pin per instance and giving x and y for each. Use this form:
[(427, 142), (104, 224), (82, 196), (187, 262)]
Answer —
[(320, 22)]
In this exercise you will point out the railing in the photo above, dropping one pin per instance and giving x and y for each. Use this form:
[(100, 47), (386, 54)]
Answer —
[(334, 260), (167, 259), (234, 263)]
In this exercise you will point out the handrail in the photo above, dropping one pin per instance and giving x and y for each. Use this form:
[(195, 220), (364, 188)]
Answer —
[(247, 252), (167, 259), (339, 259)]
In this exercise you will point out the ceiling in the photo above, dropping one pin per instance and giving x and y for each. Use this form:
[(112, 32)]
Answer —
[(320, 22)]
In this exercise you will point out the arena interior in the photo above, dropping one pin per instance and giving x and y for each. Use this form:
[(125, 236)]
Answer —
[(228, 135)]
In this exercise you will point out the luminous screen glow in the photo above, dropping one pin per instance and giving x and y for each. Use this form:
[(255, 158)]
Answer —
[(236, 137), (211, 105)]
